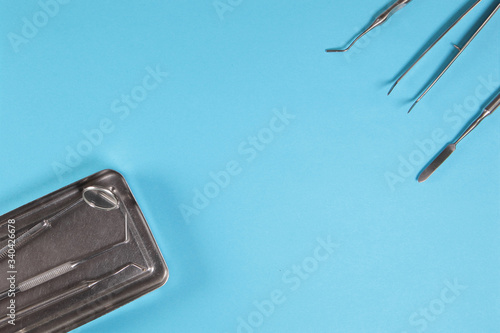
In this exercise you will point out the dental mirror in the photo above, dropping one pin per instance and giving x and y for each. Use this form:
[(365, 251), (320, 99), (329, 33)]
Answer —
[(100, 198)]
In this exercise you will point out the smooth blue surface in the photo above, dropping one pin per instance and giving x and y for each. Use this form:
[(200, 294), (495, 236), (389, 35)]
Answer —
[(332, 171)]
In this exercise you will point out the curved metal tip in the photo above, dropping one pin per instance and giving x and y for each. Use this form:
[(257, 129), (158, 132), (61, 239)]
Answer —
[(396, 83), (414, 104), (392, 88), (336, 50), (352, 43)]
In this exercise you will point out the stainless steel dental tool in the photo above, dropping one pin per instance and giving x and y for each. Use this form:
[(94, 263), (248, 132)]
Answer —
[(461, 49), (57, 271), (95, 197), (488, 110), (125, 272), (433, 44), (87, 251), (382, 18)]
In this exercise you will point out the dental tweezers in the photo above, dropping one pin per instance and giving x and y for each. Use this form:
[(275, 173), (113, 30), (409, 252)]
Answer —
[(460, 51), (433, 44)]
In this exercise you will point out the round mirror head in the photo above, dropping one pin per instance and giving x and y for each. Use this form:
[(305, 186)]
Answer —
[(100, 198)]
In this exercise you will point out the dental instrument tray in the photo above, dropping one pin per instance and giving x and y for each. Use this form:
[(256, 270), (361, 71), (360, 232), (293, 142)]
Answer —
[(75, 255)]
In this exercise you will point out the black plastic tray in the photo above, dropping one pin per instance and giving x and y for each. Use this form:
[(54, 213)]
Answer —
[(80, 261)]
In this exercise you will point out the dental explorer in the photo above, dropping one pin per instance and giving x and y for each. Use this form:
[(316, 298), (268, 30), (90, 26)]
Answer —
[(382, 18)]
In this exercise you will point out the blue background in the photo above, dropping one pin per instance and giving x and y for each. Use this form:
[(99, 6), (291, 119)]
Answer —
[(324, 175)]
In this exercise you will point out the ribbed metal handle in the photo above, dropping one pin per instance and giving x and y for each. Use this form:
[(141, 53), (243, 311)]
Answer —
[(46, 276)]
